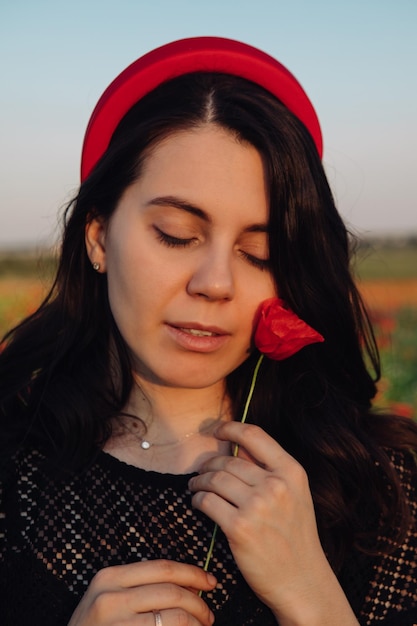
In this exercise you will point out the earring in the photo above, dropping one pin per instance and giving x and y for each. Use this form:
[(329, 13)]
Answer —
[(96, 266)]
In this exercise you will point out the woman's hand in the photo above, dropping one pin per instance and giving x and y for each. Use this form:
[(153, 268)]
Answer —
[(262, 501), (129, 594)]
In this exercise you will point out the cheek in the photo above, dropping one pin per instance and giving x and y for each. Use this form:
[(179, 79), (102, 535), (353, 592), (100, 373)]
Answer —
[(139, 285), (124, 279), (263, 290)]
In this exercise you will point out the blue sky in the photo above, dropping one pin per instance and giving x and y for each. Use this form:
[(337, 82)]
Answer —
[(357, 60)]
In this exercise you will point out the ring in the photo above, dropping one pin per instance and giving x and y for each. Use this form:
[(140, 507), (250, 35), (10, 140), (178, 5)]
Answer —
[(158, 618)]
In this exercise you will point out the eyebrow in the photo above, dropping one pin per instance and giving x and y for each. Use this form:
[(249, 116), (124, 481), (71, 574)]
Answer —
[(183, 205)]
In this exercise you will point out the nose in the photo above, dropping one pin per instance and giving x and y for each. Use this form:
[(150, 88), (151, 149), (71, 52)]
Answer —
[(212, 277)]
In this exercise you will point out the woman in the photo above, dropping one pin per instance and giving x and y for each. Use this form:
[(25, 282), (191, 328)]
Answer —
[(203, 232)]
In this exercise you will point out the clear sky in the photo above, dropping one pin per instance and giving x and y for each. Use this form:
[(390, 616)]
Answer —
[(357, 60)]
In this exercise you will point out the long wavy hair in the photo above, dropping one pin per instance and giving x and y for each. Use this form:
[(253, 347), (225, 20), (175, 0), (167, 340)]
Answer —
[(65, 372)]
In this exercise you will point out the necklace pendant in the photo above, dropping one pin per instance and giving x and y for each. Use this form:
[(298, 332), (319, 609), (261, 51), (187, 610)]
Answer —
[(145, 445)]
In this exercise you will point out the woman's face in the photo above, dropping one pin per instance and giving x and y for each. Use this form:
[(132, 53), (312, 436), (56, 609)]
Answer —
[(186, 256)]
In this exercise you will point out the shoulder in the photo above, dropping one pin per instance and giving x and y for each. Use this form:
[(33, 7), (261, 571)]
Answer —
[(20, 475), (380, 577), (392, 590), (403, 458), (404, 463)]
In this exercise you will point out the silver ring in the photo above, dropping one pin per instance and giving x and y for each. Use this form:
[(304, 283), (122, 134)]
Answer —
[(158, 618)]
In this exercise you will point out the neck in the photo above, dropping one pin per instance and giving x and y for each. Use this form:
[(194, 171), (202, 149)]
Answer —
[(178, 423), (176, 412)]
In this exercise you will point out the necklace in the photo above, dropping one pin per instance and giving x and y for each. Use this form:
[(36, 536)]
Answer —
[(210, 425)]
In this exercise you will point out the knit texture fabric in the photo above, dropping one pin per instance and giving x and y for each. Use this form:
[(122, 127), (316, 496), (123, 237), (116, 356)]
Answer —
[(55, 534)]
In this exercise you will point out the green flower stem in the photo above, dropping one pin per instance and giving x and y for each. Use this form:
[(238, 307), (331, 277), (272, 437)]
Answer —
[(235, 453), (249, 398)]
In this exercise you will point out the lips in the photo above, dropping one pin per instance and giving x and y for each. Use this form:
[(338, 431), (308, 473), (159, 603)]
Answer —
[(197, 332), (196, 337)]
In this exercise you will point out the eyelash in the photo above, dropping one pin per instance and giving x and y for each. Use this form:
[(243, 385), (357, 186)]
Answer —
[(172, 242), (260, 264), (177, 242)]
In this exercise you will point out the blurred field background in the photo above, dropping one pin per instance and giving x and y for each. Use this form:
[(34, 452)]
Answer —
[(386, 271)]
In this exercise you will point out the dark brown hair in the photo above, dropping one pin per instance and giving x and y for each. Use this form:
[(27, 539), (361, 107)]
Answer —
[(65, 371)]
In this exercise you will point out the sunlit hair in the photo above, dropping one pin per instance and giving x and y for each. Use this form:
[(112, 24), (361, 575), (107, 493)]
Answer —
[(65, 372)]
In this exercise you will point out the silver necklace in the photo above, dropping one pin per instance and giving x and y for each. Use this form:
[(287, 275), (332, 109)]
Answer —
[(146, 444)]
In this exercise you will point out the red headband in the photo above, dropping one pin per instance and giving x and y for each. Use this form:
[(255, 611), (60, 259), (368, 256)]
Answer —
[(199, 54)]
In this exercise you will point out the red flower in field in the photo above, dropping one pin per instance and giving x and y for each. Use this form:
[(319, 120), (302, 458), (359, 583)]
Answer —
[(402, 409), (279, 332)]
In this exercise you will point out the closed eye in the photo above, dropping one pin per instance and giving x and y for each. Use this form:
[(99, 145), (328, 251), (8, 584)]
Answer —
[(171, 241), (179, 242), (262, 264)]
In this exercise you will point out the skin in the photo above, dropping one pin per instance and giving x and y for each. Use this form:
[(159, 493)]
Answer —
[(262, 502), (175, 254), (127, 594), (186, 248)]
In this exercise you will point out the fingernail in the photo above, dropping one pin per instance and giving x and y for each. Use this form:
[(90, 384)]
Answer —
[(212, 579)]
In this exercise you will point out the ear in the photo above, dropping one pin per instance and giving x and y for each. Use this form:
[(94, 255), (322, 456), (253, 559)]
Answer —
[(95, 242)]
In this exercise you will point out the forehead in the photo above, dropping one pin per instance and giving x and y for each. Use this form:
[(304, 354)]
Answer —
[(206, 164)]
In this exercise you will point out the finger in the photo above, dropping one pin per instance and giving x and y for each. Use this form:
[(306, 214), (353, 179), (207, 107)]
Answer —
[(167, 597), (217, 509), (223, 484), (178, 616), (121, 605), (258, 444), (241, 453), (154, 571), (241, 467)]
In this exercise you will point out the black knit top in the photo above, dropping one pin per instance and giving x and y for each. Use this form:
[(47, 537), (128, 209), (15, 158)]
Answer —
[(56, 533)]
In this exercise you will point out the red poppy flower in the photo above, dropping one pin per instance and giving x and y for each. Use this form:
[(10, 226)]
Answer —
[(279, 332)]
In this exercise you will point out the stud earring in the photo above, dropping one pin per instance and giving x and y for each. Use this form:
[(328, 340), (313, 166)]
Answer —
[(96, 266)]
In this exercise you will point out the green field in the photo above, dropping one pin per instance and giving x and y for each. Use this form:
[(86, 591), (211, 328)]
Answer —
[(374, 259), (36, 264), (387, 277), (378, 261)]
